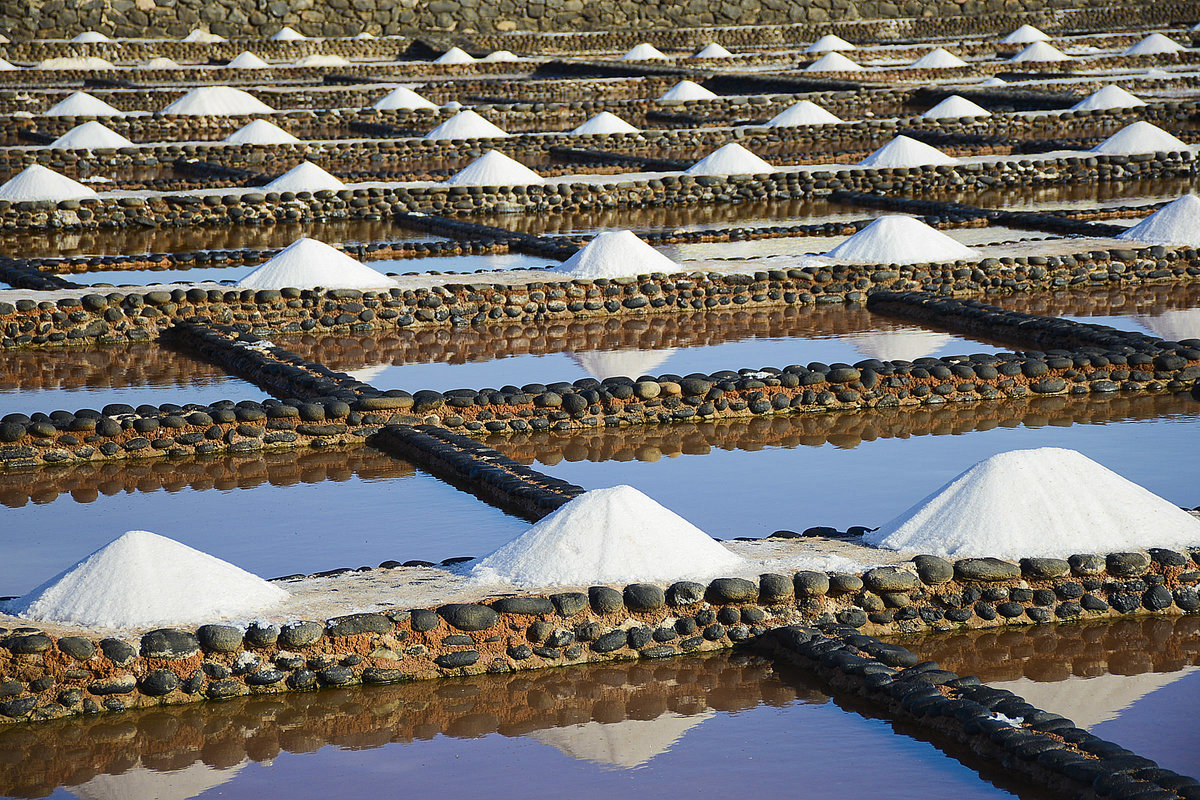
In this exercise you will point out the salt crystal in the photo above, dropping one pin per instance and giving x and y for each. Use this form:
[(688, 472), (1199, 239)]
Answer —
[(615, 254), (6, 66), (896, 239), (732, 159), (307, 264), (493, 168), (904, 151)]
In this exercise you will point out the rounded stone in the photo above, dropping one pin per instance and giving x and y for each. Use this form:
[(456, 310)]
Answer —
[(1085, 564), (644, 597), (890, 579), (219, 638), (169, 643), (1044, 568), (774, 588), (605, 599), (528, 606), (1127, 565), (809, 583), (158, 682), (731, 590), (468, 616), (986, 569), (262, 635), (77, 647), (933, 571), (685, 593), (300, 634)]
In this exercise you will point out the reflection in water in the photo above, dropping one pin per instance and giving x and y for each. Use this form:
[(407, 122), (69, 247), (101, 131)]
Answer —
[(140, 782), (1085, 194), (626, 744), (1171, 312), (1174, 325), (613, 363)]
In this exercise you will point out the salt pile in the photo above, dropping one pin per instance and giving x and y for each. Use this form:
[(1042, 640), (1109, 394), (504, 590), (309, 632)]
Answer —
[(938, 58), (466, 124), (1140, 137), (804, 112), (260, 132), (90, 136), (1048, 502), (994, 81), (833, 62), (76, 62), (247, 60), (829, 43), (956, 106), (455, 55), (1178, 222), (142, 579), (605, 122), (601, 364), (402, 98), (643, 52), (363, 35), (36, 182), (1040, 51), (501, 55), (7, 66), (162, 62), (605, 536), (493, 168), (1108, 97), (307, 264), (732, 159), (204, 37), (288, 34), (896, 239), (82, 104), (306, 177), (688, 90), (712, 50), (217, 101), (616, 254), (90, 37), (1024, 35), (1152, 45), (321, 60), (906, 152)]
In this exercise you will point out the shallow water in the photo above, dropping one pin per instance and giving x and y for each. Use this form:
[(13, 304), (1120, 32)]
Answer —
[(465, 264)]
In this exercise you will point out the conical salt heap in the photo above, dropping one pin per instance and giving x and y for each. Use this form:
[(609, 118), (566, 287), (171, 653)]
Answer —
[(688, 90), (305, 177), (1048, 502), (732, 159), (455, 55), (1108, 97), (247, 60), (466, 124), (643, 52), (1140, 137), (162, 62), (221, 101), (956, 106), (1038, 52), (833, 62), (142, 579), (36, 182), (938, 58), (904, 151), (90, 37), (493, 168), (1152, 45), (803, 112), (712, 50), (402, 98), (90, 136), (603, 123), (82, 104), (896, 239), (993, 81), (204, 37), (1178, 222), (288, 34), (606, 536), (307, 264), (260, 132), (616, 254), (829, 43), (7, 66), (601, 364), (1025, 35), (501, 55), (322, 60)]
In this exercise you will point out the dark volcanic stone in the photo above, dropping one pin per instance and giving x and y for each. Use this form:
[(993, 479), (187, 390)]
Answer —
[(423, 619), (613, 640), (1084, 564), (300, 634), (336, 675), (119, 652), (1044, 568), (774, 588), (568, 604), (159, 682), (77, 647), (219, 638), (1127, 565), (731, 590), (468, 616), (529, 606), (28, 644), (808, 583), (933, 571), (986, 569), (462, 658), (685, 593), (890, 579), (169, 643), (261, 635), (353, 624), (605, 599), (644, 597)]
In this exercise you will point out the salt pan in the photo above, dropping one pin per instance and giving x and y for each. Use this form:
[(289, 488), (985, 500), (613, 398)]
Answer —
[(217, 101), (306, 177), (247, 60), (1154, 44), (493, 168), (402, 98), (829, 43), (1108, 97), (896, 239), (603, 123), (288, 34), (36, 182), (82, 104), (1140, 137), (616, 254), (1040, 51), (732, 159), (90, 37), (643, 52), (688, 90), (938, 58), (956, 106), (833, 62), (307, 264), (455, 55), (804, 112), (260, 132), (1024, 35), (906, 152), (1178, 222), (466, 124), (712, 50), (90, 136)]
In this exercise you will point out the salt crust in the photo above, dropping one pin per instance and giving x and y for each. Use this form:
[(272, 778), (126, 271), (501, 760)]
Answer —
[(322, 60), (1040, 51), (896, 239), (90, 136), (307, 264), (616, 254), (90, 37), (938, 58), (455, 55), (162, 62), (1178, 222), (287, 34), (247, 60), (833, 62), (956, 106), (1048, 502), (493, 168), (82, 104), (829, 43), (712, 50), (643, 52), (142, 579), (1025, 35), (219, 101), (36, 182), (76, 62), (203, 37), (688, 90), (402, 98), (605, 122), (732, 159), (906, 152), (466, 124), (1110, 96), (260, 132), (305, 177), (615, 535), (1154, 44), (804, 112), (1140, 137)]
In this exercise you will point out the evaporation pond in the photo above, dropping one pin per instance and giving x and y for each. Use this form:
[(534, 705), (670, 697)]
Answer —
[(486, 262)]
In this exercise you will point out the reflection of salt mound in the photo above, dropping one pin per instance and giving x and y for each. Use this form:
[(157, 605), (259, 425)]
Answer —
[(956, 106), (367, 374), (938, 58), (1178, 222), (307, 264), (627, 744), (901, 345), (601, 364), (1043, 502), (1024, 35), (1174, 325), (1089, 701), (612, 535), (833, 62), (466, 124), (204, 37), (605, 122), (161, 62), (90, 37), (1140, 137), (142, 579), (712, 50), (906, 152), (305, 177), (322, 60), (732, 159), (614, 254), (493, 168), (828, 43), (455, 55), (247, 60), (1040, 51), (1153, 45), (217, 101), (896, 239), (82, 104), (643, 52), (688, 90), (76, 62), (36, 182), (260, 132), (402, 98), (143, 783), (804, 112), (1110, 96), (90, 136), (287, 34)]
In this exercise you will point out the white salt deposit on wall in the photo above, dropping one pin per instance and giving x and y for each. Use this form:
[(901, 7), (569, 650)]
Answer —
[(1178, 222), (1152, 45), (833, 62), (688, 90), (260, 132), (1047, 502), (604, 123), (307, 264), (90, 136), (615, 254), (829, 43), (204, 37), (90, 37), (247, 60), (1108, 97), (402, 98), (904, 151), (712, 50), (732, 159), (221, 101), (1040, 51), (1025, 35), (287, 34), (77, 63), (803, 112), (896, 239), (956, 106), (455, 55), (466, 124), (322, 60), (643, 52), (938, 58), (493, 168), (82, 104), (36, 182), (162, 62), (1140, 137), (306, 177)]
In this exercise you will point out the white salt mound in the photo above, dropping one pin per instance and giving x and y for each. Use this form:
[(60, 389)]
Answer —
[(1047, 502), (829, 43), (1154, 44), (363, 35), (247, 60), (616, 254), (956, 106), (732, 159), (616, 535), (804, 112), (142, 579), (605, 122), (76, 62), (162, 62), (896, 239), (455, 55), (688, 90), (904, 151), (938, 58), (288, 34), (260, 132), (712, 50), (7, 66), (1024, 35), (466, 124), (204, 37), (833, 62), (322, 60), (307, 264), (90, 136), (402, 98), (36, 182), (90, 37), (1040, 51), (220, 101), (643, 52), (493, 168), (82, 104), (1178, 222), (501, 55), (1140, 137), (306, 177), (1110, 96), (994, 81)]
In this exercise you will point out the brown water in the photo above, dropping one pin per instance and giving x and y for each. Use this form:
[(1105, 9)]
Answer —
[(1086, 194)]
